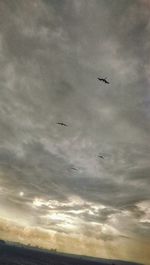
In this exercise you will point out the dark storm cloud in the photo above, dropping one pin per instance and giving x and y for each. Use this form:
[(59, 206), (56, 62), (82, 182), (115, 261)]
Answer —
[(51, 55)]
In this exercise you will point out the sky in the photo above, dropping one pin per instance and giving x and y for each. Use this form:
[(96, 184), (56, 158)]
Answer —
[(51, 54)]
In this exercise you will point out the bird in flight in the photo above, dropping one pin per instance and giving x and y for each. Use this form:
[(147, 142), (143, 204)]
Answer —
[(73, 168), (101, 156), (103, 80), (62, 124)]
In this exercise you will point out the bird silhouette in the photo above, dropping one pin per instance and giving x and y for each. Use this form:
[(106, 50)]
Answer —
[(62, 124), (73, 168), (101, 156), (103, 80)]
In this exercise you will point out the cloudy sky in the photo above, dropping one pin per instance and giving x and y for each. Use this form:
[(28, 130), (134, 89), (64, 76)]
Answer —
[(51, 53)]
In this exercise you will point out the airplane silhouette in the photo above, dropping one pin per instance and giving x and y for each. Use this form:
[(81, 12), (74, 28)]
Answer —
[(101, 156), (62, 124), (103, 80)]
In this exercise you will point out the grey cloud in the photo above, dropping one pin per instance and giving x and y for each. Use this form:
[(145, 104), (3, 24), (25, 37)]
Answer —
[(51, 56), (102, 216), (97, 232), (140, 174)]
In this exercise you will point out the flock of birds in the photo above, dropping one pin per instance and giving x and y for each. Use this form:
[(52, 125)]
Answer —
[(104, 80)]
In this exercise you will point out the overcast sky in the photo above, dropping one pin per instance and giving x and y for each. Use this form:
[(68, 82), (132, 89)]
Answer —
[(51, 53)]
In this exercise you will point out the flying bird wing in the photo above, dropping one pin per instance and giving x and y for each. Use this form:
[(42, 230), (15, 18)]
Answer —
[(73, 168), (103, 80), (62, 124), (101, 156)]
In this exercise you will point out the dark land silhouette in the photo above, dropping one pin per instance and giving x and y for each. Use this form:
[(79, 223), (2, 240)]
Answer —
[(15, 254)]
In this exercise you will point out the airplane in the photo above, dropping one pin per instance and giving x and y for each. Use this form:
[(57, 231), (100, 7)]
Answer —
[(101, 156), (62, 124), (103, 80)]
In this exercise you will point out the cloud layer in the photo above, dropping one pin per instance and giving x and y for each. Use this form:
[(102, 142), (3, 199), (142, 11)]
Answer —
[(51, 55)]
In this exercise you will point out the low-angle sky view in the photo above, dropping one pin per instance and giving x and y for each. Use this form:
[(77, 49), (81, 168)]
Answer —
[(83, 188)]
